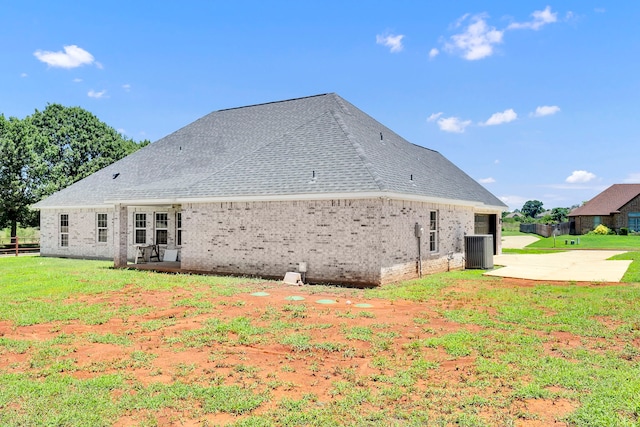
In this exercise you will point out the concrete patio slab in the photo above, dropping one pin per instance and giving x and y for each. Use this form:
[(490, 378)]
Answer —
[(579, 266)]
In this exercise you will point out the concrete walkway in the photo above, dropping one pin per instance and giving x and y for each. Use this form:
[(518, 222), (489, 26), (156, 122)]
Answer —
[(579, 266), (517, 242)]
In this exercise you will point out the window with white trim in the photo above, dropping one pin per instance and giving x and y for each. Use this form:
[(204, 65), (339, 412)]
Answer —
[(179, 228), (433, 231), (162, 225), (140, 229), (102, 225), (64, 230)]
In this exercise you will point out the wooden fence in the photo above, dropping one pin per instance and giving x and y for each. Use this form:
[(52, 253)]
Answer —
[(545, 230), (16, 246)]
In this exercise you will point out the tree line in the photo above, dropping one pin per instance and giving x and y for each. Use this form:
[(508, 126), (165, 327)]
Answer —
[(533, 208), (48, 151)]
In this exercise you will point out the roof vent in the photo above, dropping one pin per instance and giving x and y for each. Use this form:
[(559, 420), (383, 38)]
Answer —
[(381, 138), (115, 175)]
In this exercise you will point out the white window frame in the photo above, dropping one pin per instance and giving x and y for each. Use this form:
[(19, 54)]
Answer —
[(161, 222), (102, 227), (178, 228), (64, 230), (139, 218), (433, 231)]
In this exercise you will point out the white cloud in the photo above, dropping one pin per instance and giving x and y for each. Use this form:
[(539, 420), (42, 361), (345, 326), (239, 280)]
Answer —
[(540, 19), (449, 124), (515, 202), (599, 10), (121, 131), (393, 42), (23, 75), (580, 177), (496, 161), (77, 80), (433, 53), (453, 124), (488, 180), (93, 94), (545, 110), (126, 87), (434, 117), (476, 41), (499, 118), (72, 57), (632, 178)]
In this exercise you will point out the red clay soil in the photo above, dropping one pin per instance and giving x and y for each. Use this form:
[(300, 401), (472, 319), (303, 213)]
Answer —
[(297, 373)]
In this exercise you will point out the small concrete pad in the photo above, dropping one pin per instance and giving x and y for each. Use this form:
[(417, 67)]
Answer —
[(579, 266)]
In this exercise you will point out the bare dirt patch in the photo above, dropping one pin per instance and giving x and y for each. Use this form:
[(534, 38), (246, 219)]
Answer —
[(297, 348)]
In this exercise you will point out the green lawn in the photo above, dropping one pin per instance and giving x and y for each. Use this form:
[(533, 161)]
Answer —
[(588, 241), (475, 351)]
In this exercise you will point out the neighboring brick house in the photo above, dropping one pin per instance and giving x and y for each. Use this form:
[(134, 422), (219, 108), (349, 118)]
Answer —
[(616, 207), (257, 190)]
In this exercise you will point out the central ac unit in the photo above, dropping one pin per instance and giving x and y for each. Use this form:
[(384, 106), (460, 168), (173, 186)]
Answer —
[(478, 251)]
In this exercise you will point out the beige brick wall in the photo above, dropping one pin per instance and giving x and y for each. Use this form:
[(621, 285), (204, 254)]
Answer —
[(83, 238), (83, 232), (400, 246), (271, 238), (344, 241), (368, 241)]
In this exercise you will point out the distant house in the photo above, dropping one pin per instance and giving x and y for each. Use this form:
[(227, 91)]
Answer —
[(258, 190), (616, 207), (514, 215)]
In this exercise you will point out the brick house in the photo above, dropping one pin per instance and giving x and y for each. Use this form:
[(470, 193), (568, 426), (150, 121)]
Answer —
[(257, 190), (616, 207)]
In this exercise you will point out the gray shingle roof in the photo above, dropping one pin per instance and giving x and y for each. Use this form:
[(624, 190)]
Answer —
[(309, 146)]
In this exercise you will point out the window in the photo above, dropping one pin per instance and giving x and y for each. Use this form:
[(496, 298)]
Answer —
[(433, 231), (162, 223), (102, 227), (64, 230), (634, 221), (140, 228), (179, 228), (596, 221)]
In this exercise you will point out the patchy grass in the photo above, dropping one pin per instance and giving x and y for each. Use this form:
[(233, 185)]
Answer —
[(85, 345)]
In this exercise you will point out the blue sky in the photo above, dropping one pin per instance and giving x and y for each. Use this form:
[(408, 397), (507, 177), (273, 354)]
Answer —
[(535, 100)]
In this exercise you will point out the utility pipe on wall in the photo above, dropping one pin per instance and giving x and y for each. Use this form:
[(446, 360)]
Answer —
[(418, 232)]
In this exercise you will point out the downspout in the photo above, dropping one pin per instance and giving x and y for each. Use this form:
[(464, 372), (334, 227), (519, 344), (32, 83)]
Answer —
[(418, 232)]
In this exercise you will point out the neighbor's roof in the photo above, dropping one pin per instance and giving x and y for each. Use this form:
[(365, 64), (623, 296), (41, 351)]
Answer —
[(319, 146), (609, 201)]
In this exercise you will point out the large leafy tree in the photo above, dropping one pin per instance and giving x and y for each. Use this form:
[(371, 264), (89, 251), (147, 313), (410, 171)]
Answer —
[(75, 144), (18, 177), (48, 151), (532, 208), (559, 214)]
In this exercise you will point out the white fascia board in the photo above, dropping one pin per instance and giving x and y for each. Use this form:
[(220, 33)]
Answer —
[(478, 206), (340, 196), (67, 207)]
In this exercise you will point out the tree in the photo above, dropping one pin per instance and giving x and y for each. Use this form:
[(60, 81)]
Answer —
[(532, 208), (75, 144), (49, 151), (17, 162), (559, 214)]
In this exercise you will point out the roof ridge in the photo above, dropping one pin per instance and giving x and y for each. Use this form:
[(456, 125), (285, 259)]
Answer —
[(273, 102), (359, 151)]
